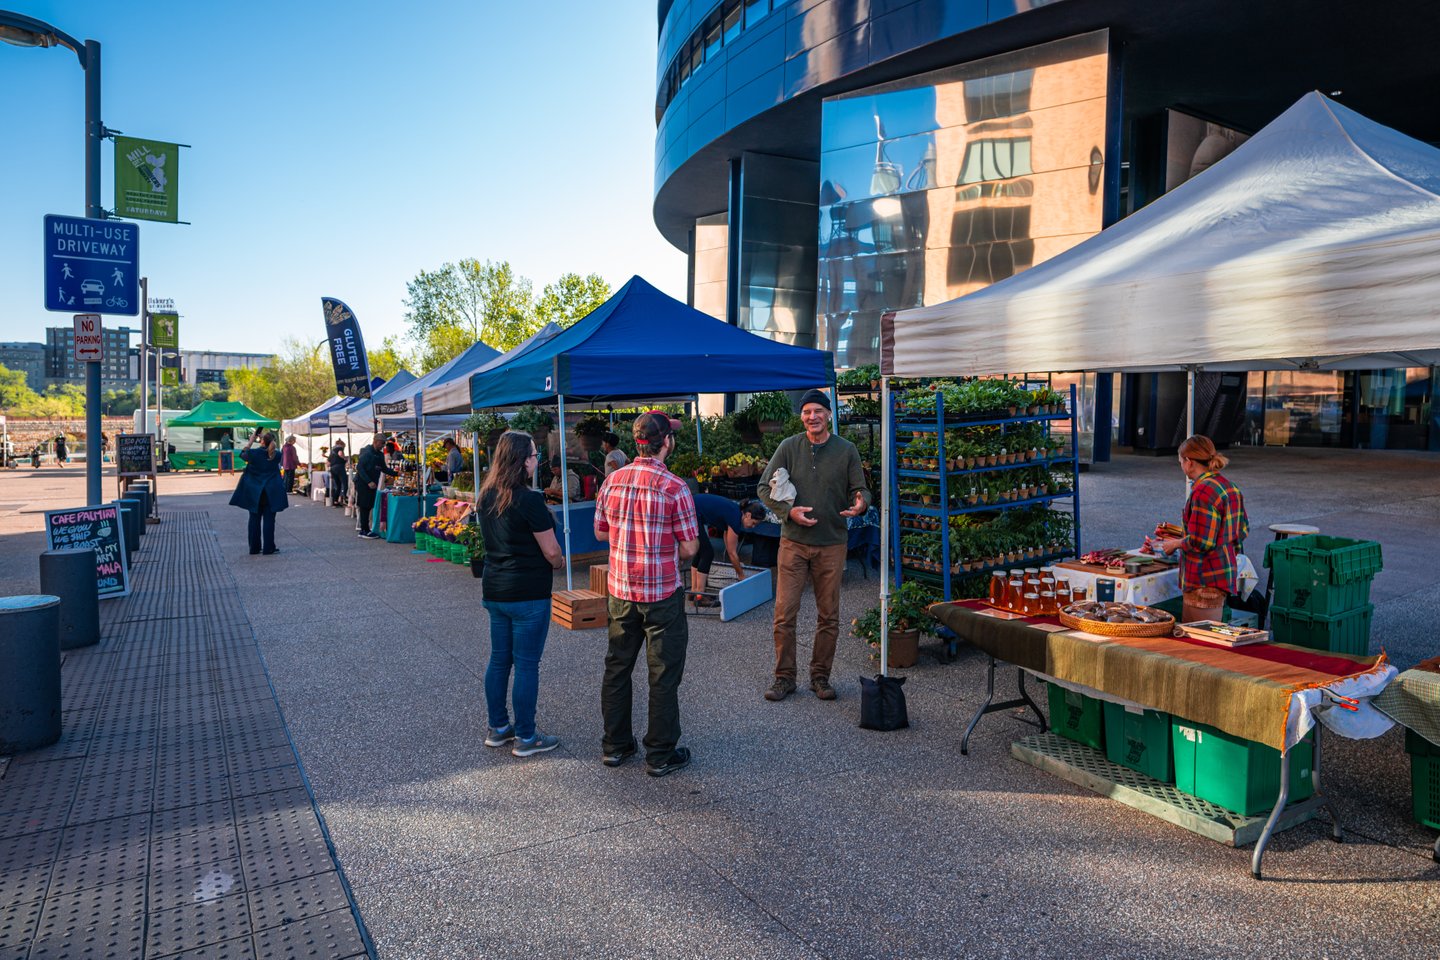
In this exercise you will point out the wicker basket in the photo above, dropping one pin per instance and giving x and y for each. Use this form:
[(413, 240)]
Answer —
[(1104, 629)]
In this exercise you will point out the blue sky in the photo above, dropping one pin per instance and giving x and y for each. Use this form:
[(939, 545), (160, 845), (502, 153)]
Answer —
[(340, 148)]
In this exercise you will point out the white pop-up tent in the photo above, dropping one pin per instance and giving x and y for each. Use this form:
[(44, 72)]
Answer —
[(1313, 246)]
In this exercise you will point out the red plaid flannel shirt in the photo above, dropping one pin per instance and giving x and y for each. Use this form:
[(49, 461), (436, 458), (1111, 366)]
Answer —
[(1215, 528), (647, 511)]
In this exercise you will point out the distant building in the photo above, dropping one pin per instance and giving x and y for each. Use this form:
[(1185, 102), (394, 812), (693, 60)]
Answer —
[(60, 354), (206, 366), (28, 358)]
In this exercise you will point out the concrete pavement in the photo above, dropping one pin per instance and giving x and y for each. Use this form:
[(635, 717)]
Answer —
[(794, 833)]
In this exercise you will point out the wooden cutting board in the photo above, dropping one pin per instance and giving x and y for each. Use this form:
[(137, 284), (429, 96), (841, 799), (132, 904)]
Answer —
[(1103, 571)]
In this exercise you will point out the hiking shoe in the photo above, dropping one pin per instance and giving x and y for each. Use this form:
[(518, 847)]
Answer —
[(679, 760), (616, 757), (540, 743), (822, 688), (499, 736), (780, 689)]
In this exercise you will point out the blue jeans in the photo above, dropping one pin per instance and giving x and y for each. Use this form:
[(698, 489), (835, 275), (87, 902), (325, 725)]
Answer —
[(518, 629)]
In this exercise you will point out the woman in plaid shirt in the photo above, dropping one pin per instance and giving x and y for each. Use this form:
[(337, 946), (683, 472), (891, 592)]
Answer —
[(1215, 530)]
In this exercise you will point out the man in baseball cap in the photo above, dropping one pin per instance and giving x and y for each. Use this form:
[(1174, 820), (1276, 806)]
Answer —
[(647, 515)]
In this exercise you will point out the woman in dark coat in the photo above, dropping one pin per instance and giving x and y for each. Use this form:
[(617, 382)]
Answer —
[(261, 491)]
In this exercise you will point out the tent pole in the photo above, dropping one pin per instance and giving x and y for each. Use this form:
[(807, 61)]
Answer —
[(1189, 412), (565, 494), (699, 440), (475, 471), (886, 452)]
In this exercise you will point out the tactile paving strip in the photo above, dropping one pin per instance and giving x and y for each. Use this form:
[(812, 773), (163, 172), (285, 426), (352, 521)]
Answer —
[(132, 845)]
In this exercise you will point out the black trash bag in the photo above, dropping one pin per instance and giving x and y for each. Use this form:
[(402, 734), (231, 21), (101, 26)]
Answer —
[(882, 703)]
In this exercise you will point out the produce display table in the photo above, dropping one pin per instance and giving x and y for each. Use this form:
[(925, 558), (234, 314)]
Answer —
[(582, 528), (1268, 693), (401, 514), (1413, 701)]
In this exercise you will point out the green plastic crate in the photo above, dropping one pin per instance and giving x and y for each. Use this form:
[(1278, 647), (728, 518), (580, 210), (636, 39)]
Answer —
[(459, 553), (1418, 746), (422, 541), (1425, 789), (1322, 575), (1341, 633), (1140, 740), (1239, 775), (1077, 717)]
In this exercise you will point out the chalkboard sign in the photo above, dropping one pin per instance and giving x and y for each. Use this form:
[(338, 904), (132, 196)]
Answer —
[(227, 461), (134, 454), (97, 528)]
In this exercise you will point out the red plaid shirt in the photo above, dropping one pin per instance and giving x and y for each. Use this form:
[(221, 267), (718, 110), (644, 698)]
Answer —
[(1215, 528), (647, 511)]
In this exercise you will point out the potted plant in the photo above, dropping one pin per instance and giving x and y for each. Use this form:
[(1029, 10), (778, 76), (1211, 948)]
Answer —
[(907, 621), (487, 424), (769, 411), (533, 421), (469, 536)]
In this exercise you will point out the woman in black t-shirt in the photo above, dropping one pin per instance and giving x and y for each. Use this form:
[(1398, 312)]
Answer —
[(521, 555)]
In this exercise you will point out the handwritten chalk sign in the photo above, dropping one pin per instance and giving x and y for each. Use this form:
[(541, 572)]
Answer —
[(96, 528), (227, 461), (134, 454)]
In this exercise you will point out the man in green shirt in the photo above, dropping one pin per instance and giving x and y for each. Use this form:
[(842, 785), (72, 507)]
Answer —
[(829, 487)]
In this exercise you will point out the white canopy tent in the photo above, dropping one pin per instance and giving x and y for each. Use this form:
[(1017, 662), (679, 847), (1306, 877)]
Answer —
[(1314, 245), (300, 426)]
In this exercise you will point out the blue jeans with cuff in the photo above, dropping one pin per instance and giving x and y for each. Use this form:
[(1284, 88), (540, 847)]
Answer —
[(518, 629)]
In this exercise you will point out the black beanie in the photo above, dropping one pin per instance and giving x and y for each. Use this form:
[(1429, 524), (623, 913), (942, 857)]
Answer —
[(815, 396)]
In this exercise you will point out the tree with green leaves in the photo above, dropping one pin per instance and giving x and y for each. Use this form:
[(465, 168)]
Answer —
[(388, 360), (465, 302), (299, 377), (14, 390), (569, 299)]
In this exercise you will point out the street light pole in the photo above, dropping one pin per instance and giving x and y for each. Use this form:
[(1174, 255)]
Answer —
[(23, 31)]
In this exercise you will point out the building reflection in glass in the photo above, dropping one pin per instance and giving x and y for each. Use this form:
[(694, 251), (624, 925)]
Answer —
[(935, 186)]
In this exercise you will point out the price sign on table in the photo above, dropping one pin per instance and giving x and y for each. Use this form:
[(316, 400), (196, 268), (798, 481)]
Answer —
[(96, 528)]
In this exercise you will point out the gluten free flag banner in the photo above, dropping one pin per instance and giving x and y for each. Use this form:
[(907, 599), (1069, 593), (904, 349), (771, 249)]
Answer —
[(347, 349)]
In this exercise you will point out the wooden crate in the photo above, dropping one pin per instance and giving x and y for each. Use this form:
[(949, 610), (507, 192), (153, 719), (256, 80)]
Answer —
[(598, 573), (579, 609)]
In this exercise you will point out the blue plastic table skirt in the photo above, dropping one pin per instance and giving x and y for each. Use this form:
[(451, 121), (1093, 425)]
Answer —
[(582, 527), (401, 514)]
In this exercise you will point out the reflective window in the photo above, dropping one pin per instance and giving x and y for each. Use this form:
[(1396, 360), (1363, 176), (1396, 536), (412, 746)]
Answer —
[(935, 186), (755, 10), (995, 160), (697, 55), (712, 37), (733, 20)]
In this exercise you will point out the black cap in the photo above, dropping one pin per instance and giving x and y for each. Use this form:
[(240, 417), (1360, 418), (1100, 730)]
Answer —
[(816, 396)]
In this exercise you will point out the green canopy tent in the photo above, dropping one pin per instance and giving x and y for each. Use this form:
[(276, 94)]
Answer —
[(197, 441)]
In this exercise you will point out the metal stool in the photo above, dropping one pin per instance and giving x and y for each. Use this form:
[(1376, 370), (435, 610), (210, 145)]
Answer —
[(1282, 531)]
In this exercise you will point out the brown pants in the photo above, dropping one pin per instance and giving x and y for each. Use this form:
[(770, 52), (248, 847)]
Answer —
[(823, 567)]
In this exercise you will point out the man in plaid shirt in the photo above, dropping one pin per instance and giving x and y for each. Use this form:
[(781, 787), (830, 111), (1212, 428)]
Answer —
[(647, 515)]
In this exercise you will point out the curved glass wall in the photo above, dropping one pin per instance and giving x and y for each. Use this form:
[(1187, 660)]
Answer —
[(935, 186)]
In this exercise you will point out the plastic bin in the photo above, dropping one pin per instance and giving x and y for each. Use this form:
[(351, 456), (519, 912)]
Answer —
[(1077, 717), (1322, 575), (1139, 739), (1342, 633), (1239, 775), (1424, 778)]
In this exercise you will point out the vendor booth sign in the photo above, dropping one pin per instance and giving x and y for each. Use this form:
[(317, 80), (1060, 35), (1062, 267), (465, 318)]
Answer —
[(347, 349), (93, 528)]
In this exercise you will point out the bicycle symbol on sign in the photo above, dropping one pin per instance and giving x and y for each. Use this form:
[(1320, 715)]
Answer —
[(120, 302)]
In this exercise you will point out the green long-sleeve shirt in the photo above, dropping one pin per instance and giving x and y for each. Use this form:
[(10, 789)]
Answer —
[(826, 478)]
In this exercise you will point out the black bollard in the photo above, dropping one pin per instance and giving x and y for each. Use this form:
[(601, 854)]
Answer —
[(29, 673), (141, 497), (143, 487), (70, 575)]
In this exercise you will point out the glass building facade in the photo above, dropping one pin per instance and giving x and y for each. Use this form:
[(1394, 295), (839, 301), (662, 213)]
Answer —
[(935, 186)]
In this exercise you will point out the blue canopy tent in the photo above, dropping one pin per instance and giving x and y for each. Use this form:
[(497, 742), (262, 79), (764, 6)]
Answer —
[(453, 395), (643, 344)]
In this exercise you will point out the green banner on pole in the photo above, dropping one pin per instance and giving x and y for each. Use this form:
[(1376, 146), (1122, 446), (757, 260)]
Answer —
[(147, 179), (165, 331)]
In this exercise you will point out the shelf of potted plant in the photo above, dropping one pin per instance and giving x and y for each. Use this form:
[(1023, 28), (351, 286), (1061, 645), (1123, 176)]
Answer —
[(975, 490)]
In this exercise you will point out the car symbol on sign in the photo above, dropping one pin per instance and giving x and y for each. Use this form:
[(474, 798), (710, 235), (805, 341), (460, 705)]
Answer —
[(92, 286)]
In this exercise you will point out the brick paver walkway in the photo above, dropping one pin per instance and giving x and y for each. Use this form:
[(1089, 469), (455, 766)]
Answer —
[(172, 819)]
